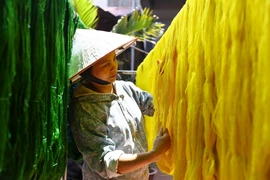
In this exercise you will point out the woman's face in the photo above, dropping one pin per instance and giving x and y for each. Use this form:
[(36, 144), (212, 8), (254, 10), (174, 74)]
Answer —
[(106, 68)]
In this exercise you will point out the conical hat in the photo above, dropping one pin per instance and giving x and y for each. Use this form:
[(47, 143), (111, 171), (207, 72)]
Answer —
[(91, 45)]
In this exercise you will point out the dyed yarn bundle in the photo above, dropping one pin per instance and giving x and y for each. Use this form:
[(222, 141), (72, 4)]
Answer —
[(209, 77), (36, 38)]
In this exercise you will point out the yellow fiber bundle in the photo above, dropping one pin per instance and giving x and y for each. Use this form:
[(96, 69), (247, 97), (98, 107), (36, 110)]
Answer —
[(209, 75)]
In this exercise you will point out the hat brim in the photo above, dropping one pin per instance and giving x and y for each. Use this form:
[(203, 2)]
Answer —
[(89, 46)]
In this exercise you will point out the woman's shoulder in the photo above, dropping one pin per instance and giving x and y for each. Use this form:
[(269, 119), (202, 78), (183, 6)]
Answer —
[(82, 90), (124, 84), (84, 94)]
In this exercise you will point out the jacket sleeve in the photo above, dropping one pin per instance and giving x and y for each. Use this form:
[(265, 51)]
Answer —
[(90, 134), (143, 98)]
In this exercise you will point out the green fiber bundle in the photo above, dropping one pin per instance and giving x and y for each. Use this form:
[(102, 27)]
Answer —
[(36, 38)]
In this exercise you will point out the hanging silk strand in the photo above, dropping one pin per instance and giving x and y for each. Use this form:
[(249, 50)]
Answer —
[(36, 38), (209, 77)]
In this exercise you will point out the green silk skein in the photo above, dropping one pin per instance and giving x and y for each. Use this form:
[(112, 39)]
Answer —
[(36, 39)]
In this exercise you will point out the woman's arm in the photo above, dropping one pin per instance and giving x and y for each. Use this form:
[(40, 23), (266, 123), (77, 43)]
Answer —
[(143, 98), (131, 162)]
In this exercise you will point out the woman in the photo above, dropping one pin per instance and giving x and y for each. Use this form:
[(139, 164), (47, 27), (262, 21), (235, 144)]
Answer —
[(107, 118)]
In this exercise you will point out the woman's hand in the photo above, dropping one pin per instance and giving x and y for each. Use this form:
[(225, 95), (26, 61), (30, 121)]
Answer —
[(162, 143), (131, 162)]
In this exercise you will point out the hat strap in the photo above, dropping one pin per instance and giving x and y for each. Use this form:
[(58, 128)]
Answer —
[(97, 80)]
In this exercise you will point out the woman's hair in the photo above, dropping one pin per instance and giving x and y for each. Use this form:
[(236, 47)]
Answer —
[(86, 72)]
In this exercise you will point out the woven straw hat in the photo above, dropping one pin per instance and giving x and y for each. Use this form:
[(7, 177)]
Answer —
[(91, 45)]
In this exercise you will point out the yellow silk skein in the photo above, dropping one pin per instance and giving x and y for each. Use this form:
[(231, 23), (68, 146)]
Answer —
[(209, 78)]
